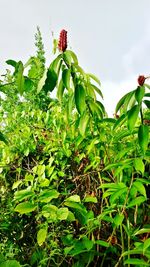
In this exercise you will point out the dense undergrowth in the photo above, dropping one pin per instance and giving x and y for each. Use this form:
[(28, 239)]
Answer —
[(74, 184)]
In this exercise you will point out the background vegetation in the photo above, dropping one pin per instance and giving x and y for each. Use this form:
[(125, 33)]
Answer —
[(75, 184)]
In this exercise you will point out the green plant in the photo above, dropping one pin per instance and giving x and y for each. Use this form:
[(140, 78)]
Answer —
[(74, 183)]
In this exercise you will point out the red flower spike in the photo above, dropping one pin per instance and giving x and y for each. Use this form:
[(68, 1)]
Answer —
[(141, 80), (62, 44)]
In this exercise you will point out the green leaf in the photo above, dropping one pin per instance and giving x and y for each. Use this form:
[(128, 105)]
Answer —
[(67, 58), (10, 263), (118, 219), (66, 76), (62, 214), (140, 188), (138, 201), (83, 123), (102, 243), (124, 100), (142, 231), (97, 90), (74, 198), (80, 98), (132, 116), (139, 94), (56, 64), (51, 80), (25, 207), (95, 108), (41, 236), (3, 139), (139, 165), (117, 194), (20, 78), (136, 262), (93, 77), (60, 90), (147, 103), (11, 62), (47, 195), (42, 82), (23, 194), (89, 198), (146, 245), (143, 137), (73, 55)]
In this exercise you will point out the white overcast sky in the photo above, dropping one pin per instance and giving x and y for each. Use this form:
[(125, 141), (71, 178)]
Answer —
[(110, 37)]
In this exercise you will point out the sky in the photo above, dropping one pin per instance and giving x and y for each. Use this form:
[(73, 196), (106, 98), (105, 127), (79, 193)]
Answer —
[(110, 37)]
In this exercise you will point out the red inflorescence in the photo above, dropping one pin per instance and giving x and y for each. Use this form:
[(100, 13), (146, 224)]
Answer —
[(141, 80), (62, 44)]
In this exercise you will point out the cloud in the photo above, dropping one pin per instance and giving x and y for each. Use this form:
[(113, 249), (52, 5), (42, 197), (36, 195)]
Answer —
[(136, 59), (113, 91)]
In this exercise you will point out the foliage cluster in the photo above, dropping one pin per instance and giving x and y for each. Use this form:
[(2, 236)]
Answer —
[(74, 183)]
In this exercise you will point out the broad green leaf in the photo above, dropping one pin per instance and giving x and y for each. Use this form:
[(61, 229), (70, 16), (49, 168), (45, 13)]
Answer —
[(12, 63), (95, 109), (51, 80), (142, 231), (83, 123), (118, 219), (87, 243), (42, 82), (89, 198), (139, 165), (56, 64), (50, 211), (47, 195), (16, 184), (67, 58), (93, 77), (80, 98), (73, 55), (97, 90), (60, 90), (139, 94), (71, 217), (135, 262), (23, 194), (10, 263), (20, 78), (132, 116), (74, 198), (147, 103), (74, 205), (143, 137), (117, 194), (3, 138), (138, 201), (102, 243), (124, 100), (146, 244), (140, 188), (41, 236), (62, 214), (66, 77), (25, 207)]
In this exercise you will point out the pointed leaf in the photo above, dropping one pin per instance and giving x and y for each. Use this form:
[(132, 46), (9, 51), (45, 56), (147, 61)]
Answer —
[(66, 76), (136, 262), (139, 93), (83, 122), (3, 139), (60, 90), (42, 82), (136, 201), (41, 236), (80, 98), (25, 207), (139, 165), (143, 137), (132, 116), (51, 80)]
